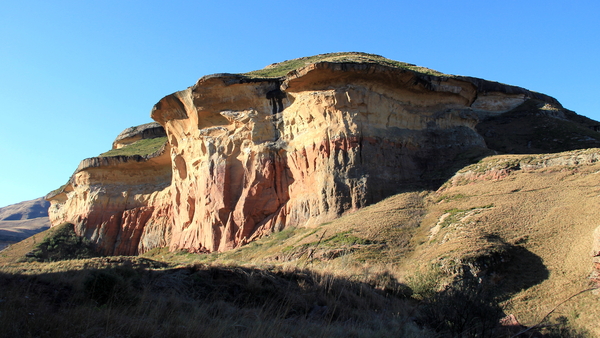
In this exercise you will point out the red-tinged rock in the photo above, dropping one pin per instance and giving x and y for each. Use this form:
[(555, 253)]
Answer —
[(249, 156)]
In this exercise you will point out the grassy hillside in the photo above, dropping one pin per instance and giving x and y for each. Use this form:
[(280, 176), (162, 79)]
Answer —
[(21, 220), (511, 234), (521, 224)]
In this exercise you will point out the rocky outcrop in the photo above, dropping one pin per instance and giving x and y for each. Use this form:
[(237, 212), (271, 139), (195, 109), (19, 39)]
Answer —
[(136, 133), (121, 203), (248, 156), (251, 156), (504, 166)]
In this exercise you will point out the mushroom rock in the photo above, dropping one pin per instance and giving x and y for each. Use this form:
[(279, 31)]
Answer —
[(248, 156)]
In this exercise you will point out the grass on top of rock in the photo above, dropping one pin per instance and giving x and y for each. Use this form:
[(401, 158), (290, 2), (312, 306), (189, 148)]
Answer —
[(282, 68), (142, 148)]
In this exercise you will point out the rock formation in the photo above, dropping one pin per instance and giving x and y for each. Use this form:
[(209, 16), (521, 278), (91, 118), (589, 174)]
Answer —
[(134, 134), (122, 203), (247, 156)]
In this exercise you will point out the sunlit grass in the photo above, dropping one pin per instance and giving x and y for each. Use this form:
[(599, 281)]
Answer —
[(142, 147), (282, 68)]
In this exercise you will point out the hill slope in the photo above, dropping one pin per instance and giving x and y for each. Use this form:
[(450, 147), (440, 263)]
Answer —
[(525, 226), (21, 220), (359, 182)]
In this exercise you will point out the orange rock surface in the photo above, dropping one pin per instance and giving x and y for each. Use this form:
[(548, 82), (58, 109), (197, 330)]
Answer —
[(247, 156)]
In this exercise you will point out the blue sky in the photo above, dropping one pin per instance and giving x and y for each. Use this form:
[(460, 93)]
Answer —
[(73, 74)]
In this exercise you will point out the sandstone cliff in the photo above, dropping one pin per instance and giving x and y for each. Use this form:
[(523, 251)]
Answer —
[(122, 202), (248, 155)]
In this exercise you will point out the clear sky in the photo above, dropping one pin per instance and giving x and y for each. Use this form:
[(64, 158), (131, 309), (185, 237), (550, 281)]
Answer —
[(74, 74)]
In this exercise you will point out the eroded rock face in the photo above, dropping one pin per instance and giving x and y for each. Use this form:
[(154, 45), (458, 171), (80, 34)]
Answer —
[(121, 203), (133, 134), (246, 157)]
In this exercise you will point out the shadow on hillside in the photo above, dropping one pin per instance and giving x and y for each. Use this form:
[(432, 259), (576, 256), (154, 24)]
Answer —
[(133, 296), (527, 129), (470, 305), (524, 270), (140, 297), (532, 129)]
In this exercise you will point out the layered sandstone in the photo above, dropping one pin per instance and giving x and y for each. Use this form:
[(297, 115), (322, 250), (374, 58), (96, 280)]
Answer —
[(121, 203), (137, 133), (248, 156)]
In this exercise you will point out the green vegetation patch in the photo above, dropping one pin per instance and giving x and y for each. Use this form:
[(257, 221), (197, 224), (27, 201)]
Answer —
[(57, 191), (449, 198), (456, 214), (62, 244), (345, 238), (282, 68), (142, 147)]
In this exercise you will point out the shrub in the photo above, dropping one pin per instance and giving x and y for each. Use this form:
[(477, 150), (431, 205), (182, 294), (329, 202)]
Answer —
[(465, 308), (62, 244), (100, 286)]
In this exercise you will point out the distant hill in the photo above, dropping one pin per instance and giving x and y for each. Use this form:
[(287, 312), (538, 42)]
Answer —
[(21, 220)]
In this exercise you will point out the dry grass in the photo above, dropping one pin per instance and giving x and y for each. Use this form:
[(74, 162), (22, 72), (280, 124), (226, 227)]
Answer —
[(525, 234), (17, 251), (528, 232), (137, 297), (547, 215)]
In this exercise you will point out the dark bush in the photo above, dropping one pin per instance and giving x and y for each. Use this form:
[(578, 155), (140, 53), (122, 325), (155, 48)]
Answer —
[(116, 286), (466, 308), (100, 286), (62, 244)]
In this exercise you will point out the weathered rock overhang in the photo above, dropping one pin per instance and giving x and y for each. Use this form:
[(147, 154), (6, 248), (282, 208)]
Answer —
[(248, 156)]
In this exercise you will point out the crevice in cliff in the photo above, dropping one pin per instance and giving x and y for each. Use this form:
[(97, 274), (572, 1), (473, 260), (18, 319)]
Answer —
[(360, 146), (276, 97), (475, 97)]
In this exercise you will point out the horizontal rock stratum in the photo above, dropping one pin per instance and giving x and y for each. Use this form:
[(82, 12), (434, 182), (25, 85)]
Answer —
[(246, 155)]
